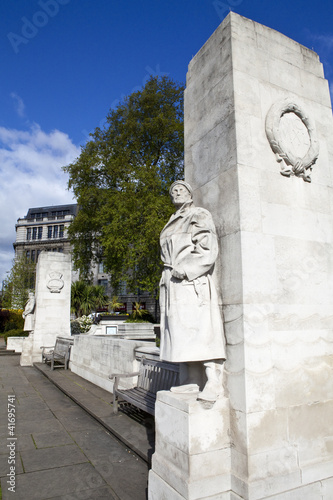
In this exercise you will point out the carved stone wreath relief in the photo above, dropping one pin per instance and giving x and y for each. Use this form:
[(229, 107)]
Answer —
[(55, 283), (292, 137)]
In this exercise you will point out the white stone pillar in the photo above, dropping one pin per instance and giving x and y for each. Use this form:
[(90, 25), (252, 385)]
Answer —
[(52, 309), (255, 102)]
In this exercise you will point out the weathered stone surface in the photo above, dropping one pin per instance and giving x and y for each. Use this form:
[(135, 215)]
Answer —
[(95, 358), (52, 309), (275, 270), (192, 446)]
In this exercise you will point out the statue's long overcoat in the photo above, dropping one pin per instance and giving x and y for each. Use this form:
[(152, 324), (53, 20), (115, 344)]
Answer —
[(191, 325), (29, 317)]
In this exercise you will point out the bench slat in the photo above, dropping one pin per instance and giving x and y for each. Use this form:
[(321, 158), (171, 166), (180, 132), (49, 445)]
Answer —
[(153, 377)]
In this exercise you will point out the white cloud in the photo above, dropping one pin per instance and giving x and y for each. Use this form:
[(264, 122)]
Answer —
[(19, 104), (325, 40), (30, 176)]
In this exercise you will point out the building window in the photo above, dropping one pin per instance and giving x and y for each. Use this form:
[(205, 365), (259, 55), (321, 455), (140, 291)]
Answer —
[(40, 232), (49, 232), (33, 255), (61, 231), (101, 267), (27, 254), (34, 233), (55, 231), (28, 233)]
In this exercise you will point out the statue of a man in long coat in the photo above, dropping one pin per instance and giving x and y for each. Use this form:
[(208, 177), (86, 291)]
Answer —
[(191, 324), (28, 313)]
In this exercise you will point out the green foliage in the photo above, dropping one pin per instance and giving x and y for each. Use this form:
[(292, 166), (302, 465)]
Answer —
[(81, 325), (4, 318), (20, 281), (87, 298), (75, 327), (139, 320), (121, 181), (11, 319), (15, 333), (114, 304), (140, 315), (11, 325)]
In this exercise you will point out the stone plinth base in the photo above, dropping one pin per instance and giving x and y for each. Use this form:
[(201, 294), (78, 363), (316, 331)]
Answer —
[(26, 355), (192, 457)]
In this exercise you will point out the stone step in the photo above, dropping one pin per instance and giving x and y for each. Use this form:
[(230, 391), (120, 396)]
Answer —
[(9, 352)]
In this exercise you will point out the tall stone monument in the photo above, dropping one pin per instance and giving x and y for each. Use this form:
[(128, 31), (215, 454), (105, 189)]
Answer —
[(52, 308), (259, 157)]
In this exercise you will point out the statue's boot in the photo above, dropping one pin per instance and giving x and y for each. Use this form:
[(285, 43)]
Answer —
[(213, 388)]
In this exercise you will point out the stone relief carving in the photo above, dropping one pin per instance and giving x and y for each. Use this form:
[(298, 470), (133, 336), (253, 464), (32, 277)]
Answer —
[(292, 136), (191, 324), (55, 283)]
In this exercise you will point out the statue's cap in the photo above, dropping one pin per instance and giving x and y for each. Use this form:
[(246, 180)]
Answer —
[(183, 183)]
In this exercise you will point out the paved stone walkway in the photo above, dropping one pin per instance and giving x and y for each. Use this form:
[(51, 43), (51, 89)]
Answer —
[(134, 428), (61, 452)]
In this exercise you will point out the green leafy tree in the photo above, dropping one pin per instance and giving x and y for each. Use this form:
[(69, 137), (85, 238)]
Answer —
[(20, 280), (86, 298), (121, 181)]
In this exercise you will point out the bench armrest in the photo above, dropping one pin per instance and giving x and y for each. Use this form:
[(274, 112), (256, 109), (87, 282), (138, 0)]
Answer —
[(125, 375)]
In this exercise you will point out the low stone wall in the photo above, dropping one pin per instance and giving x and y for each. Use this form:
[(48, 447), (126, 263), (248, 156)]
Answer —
[(15, 343), (95, 358), (124, 330)]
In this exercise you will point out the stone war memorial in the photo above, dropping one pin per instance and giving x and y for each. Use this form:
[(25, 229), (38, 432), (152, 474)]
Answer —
[(259, 159), (47, 314)]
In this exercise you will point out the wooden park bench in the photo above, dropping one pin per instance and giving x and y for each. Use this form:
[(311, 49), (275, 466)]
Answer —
[(58, 356), (153, 376)]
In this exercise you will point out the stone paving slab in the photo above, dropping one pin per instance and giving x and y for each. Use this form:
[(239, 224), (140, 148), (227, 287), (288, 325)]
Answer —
[(4, 464), (61, 451), (49, 458), (41, 485), (91, 494), (136, 429)]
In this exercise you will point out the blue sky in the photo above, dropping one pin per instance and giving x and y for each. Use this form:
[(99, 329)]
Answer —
[(66, 62)]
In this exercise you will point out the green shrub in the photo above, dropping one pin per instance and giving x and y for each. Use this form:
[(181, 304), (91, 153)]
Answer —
[(10, 325), (16, 316), (145, 318), (137, 320), (13, 317), (15, 333), (75, 328), (81, 325), (4, 317)]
